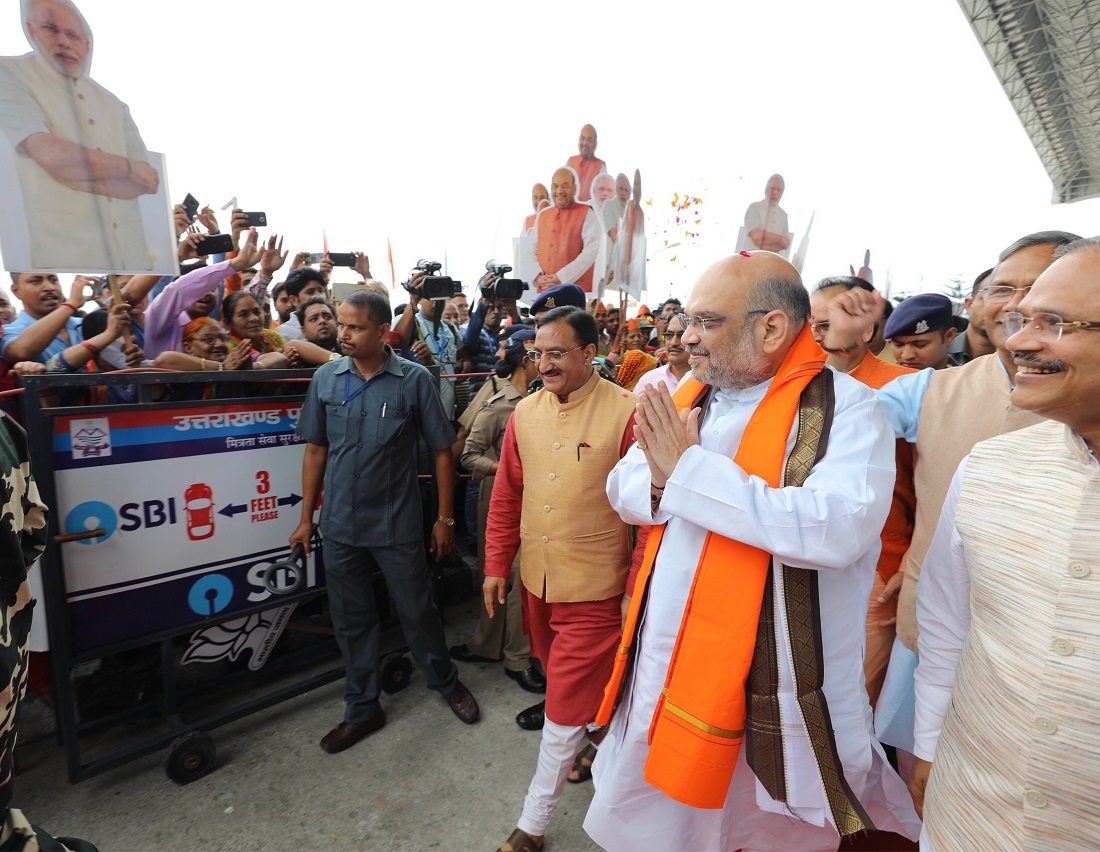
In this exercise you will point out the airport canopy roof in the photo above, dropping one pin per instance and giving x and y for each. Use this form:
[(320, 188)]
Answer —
[(1045, 55)]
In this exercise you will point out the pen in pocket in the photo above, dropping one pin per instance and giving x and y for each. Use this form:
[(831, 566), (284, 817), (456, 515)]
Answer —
[(579, 446)]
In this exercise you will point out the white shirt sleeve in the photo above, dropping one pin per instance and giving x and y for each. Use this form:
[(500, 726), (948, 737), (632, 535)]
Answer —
[(830, 522), (590, 234), (20, 114), (902, 398), (754, 216), (943, 618), (628, 490)]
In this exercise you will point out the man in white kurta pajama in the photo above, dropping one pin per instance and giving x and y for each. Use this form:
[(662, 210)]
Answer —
[(831, 525)]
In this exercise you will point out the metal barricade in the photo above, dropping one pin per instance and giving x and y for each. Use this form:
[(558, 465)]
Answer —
[(169, 525)]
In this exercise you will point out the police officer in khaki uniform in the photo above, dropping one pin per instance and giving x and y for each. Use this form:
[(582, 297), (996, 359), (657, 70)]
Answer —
[(502, 632)]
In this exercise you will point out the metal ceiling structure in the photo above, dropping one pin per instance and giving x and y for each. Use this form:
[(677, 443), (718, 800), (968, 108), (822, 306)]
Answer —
[(1045, 54)]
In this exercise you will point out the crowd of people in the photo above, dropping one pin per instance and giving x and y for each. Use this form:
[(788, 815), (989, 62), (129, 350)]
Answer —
[(874, 523)]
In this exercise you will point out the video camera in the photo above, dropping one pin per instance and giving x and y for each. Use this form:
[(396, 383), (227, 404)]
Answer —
[(506, 289), (435, 287)]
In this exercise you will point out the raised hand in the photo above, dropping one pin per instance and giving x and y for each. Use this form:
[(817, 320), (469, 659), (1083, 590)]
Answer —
[(248, 254), (362, 265), (209, 220), (272, 256), (852, 315), (238, 223), (181, 220)]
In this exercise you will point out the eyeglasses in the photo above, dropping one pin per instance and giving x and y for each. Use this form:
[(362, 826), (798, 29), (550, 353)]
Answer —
[(211, 338), (690, 321), (1002, 292), (54, 30), (820, 327), (1044, 326), (554, 356)]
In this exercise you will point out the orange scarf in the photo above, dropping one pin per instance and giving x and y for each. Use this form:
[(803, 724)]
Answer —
[(699, 721)]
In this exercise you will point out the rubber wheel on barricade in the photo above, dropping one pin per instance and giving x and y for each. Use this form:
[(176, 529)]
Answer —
[(190, 757), (396, 673)]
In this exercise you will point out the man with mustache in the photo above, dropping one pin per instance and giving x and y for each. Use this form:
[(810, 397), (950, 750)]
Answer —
[(743, 723), (1008, 687), (566, 237), (944, 413), (362, 420), (81, 161), (49, 332), (677, 367), (558, 449)]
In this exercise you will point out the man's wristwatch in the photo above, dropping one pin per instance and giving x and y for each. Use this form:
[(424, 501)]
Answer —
[(448, 521)]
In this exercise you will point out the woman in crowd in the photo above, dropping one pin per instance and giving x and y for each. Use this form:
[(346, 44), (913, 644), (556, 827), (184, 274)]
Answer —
[(635, 364), (631, 337), (244, 320), (206, 347)]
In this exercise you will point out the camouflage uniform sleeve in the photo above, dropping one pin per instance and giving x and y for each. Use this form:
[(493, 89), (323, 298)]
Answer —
[(23, 523)]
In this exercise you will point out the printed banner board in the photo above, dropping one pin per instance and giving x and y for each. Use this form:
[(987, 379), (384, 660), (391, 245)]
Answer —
[(195, 502)]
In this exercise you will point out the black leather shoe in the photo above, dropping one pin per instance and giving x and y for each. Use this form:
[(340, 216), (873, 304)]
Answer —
[(463, 654), (528, 679), (533, 718), (463, 704), (347, 734)]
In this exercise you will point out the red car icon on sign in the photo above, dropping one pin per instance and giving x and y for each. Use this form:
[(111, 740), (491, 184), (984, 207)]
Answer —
[(199, 505)]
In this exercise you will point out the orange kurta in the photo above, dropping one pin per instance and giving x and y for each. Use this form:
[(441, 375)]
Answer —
[(561, 240), (586, 173), (898, 530)]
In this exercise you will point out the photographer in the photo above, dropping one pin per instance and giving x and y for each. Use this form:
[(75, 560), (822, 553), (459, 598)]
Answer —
[(423, 323), (483, 331)]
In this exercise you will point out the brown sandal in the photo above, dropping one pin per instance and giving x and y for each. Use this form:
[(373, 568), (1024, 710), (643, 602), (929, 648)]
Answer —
[(520, 841), (583, 770)]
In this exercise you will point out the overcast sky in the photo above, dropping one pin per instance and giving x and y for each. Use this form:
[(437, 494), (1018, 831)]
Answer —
[(428, 122)]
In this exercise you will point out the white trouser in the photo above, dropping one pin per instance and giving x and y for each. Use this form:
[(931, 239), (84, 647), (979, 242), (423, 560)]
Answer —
[(558, 749)]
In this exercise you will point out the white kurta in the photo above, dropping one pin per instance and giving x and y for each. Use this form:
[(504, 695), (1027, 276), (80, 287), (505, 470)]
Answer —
[(772, 218), (830, 524), (71, 229)]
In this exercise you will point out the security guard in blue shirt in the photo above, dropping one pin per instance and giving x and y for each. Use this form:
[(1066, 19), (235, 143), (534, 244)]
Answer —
[(361, 420)]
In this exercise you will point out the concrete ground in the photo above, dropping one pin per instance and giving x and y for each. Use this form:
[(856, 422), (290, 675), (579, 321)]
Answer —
[(425, 781)]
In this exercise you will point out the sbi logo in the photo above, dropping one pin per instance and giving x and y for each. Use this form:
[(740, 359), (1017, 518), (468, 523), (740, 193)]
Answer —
[(210, 594), (95, 514), (91, 516)]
